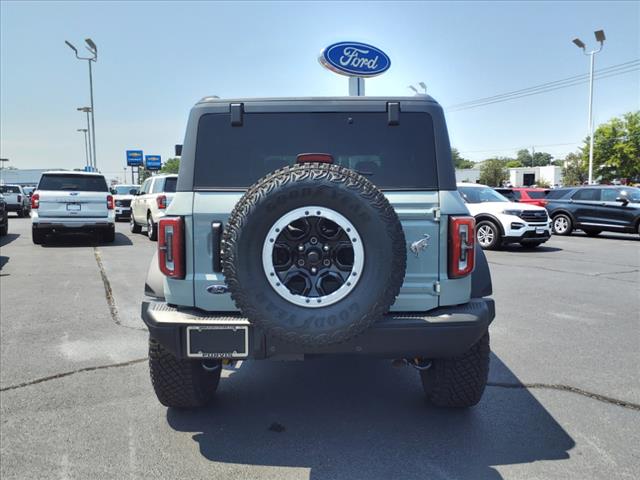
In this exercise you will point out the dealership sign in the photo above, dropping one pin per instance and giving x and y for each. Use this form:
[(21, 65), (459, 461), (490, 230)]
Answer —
[(354, 59), (152, 162), (134, 158)]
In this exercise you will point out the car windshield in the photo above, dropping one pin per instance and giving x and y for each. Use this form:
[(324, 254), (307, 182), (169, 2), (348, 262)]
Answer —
[(9, 189), (480, 195), (83, 183), (125, 189)]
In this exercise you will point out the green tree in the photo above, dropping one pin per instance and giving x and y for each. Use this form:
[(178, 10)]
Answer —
[(616, 148), (144, 174), (575, 170), (459, 161), (514, 164), (524, 157), (172, 165), (493, 172), (539, 159)]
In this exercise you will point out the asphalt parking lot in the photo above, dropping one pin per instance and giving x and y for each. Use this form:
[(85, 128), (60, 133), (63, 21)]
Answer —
[(76, 400)]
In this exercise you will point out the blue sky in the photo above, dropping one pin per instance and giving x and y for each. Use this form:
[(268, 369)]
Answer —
[(158, 58)]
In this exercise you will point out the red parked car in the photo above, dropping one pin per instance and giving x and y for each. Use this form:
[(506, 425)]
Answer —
[(533, 196)]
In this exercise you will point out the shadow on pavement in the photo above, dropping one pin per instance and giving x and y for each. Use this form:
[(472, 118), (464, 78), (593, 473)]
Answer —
[(517, 248), (83, 240), (609, 236), (8, 238), (363, 419)]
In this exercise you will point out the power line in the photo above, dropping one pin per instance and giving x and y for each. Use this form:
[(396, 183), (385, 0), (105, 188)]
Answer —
[(614, 70)]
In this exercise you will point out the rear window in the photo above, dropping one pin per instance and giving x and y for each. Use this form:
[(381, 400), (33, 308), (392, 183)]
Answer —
[(82, 183), (170, 184), (391, 156), (536, 194), (9, 189), (480, 195)]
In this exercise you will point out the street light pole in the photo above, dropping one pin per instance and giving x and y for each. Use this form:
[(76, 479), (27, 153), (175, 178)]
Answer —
[(87, 110), (93, 50), (599, 34), (86, 146)]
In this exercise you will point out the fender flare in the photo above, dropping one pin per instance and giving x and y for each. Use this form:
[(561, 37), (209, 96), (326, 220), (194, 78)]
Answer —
[(487, 216), (481, 285), (154, 284)]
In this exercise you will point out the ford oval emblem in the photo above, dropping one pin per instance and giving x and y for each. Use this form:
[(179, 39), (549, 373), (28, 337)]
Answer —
[(354, 59)]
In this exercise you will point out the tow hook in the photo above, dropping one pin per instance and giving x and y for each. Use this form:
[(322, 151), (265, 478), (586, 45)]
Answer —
[(417, 363)]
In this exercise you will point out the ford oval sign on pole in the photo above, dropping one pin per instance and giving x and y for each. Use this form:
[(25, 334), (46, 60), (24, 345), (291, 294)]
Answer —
[(355, 60)]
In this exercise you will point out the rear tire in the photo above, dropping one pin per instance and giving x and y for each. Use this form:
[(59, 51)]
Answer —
[(152, 228), (562, 224), (458, 382), (592, 232), (488, 235), (181, 383), (133, 226), (37, 236)]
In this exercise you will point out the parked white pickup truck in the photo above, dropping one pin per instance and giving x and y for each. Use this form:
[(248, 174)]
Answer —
[(151, 203), (72, 201), (16, 200)]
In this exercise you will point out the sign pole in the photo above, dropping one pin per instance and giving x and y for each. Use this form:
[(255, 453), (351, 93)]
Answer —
[(356, 87)]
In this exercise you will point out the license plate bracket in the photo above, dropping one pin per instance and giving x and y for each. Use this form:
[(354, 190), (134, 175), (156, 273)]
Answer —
[(217, 341), (540, 231)]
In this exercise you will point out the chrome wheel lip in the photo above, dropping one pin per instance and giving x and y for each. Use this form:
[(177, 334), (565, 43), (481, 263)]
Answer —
[(485, 235), (307, 212)]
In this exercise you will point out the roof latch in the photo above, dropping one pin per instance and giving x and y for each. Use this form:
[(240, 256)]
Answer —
[(393, 110), (237, 110)]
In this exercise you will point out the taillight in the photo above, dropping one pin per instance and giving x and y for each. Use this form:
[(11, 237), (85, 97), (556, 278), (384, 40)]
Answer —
[(161, 200), (109, 202), (544, 203), (35, 201), (171, 246), (462, 238)]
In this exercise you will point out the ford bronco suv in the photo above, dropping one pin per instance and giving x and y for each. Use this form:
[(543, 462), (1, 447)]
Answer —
[(317, 226)]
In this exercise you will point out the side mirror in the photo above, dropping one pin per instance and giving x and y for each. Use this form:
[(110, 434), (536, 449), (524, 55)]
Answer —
[(133, 191), (623, 198), (113, 191)]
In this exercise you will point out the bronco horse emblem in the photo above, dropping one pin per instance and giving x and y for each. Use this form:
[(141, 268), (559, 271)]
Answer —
[(420, 245)]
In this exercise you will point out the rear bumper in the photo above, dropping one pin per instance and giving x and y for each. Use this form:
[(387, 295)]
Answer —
[(443, 332), (123, 211), (60, 225), (14, 207)]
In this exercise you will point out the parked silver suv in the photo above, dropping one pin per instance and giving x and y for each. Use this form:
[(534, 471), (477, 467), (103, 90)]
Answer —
[(72, 201)]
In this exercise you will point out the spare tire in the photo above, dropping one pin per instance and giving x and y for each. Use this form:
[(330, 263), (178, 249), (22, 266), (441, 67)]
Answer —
[(314, 254)]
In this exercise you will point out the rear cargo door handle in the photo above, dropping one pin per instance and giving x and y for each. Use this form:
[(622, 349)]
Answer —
[(216, 239)]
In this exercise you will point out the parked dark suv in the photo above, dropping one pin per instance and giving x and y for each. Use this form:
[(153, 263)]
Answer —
[(594, 209)]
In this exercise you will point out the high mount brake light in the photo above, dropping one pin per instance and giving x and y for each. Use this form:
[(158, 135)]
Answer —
[(314, 157), (109, 202), (462, 238), (171, 247), (161, 201), (35, 201)]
